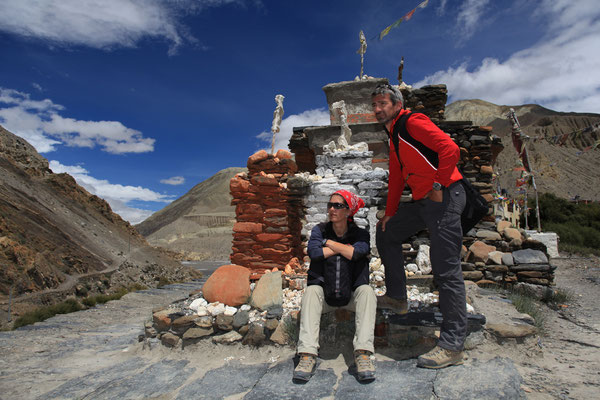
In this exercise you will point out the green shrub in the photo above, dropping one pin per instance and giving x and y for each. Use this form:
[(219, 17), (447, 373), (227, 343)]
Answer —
[(43, 313), (577, 225)]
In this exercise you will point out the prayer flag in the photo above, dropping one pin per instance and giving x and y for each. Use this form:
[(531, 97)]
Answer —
[(406, 17), (409, 15)]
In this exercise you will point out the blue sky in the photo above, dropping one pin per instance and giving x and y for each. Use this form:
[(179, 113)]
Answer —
[(140, 100)]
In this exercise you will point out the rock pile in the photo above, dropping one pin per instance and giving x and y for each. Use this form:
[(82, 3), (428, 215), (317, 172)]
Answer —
[(266, 234), (429, 100), (252, 313), (500, 254), (350, 170)]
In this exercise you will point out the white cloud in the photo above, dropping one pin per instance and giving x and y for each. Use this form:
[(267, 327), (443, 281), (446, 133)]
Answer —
[(468, 17), (37, 86), (441, 10), (175, 180), (102, 24), (115, 194), (561, 72), (316, 117), (39, 122)]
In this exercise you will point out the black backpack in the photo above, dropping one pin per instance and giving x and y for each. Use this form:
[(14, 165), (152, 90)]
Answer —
[(476, 206)]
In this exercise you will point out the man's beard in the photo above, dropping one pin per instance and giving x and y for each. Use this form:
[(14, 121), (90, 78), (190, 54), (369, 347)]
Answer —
[(387, 120)]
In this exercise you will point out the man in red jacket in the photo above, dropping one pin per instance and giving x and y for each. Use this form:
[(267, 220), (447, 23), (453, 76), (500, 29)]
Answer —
[(426, 161)]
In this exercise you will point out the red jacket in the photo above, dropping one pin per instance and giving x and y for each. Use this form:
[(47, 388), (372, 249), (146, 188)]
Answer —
[(428, 155)]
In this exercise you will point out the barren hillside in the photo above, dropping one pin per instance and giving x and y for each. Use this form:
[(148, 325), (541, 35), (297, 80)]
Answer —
[(198, 224), (56, 238), (565, 169)]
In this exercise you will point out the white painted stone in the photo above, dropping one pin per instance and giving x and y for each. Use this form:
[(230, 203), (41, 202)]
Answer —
[(550, 239), (423, 261), (196, 304), (412, 267), (215, 308), (230, 310)]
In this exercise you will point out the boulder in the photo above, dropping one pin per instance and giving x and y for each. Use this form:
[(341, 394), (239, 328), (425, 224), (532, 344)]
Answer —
[(507, 259), (280, 335), (240, 319), (229, 284), (495, 257), (257, 157), (472, 275), (268, 292), (488, 235), (196, 333), (170, 340), (224, 322), (529, 256), (510, 330), (229, 337), (502, 225), (479, 251), (512, 233), (255, 335)]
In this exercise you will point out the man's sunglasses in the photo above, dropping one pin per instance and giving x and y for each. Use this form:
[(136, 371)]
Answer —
[(336, 206)]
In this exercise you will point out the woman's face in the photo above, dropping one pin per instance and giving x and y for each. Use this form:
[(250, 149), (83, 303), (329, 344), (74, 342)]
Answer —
[(335, 214)]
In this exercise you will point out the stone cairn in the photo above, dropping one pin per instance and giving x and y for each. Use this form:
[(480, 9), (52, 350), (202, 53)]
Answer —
[(266, 234), (276, 208)]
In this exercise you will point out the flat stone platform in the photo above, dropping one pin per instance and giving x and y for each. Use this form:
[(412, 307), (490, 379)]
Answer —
[(95, 354)]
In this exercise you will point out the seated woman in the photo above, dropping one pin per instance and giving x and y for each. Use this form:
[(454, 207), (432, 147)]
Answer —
[(338, 277)]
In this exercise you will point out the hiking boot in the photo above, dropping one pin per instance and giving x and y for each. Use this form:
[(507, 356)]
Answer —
[(306, 367), (365, 369), (439, 357), (389, 303)]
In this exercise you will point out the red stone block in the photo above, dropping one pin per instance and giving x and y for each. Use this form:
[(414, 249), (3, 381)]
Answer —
[(249, 218), (267, 191), (275, 212), (276, 221), (247, 227), (257, 157), (229, 284), (283, 154), (268, 253), (278, 246), (246, 208), (262, 180), (269, 237), (237, 184)]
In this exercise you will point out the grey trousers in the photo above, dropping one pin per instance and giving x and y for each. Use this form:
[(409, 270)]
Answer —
[(445, 231)]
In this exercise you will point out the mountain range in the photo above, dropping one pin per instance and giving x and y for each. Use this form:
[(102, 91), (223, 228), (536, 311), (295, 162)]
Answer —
[(560, 146)]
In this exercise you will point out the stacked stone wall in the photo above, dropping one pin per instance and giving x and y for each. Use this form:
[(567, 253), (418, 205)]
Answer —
[(350, 170), (267, 231)]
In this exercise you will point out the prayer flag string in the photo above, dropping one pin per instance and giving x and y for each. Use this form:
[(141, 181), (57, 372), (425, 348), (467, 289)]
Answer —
[(397, 23)]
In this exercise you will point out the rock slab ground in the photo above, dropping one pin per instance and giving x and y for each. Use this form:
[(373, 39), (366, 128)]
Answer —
[(94, 354)]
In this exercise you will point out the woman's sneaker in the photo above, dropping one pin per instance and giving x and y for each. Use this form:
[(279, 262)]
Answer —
[(307, 364), (365, 369), (439, 357)]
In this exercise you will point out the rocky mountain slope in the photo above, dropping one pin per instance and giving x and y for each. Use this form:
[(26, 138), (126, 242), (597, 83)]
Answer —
[(56, 239), (566, 168), (198, 224)]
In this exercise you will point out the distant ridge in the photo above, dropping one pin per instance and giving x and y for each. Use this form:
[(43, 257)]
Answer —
[(566, 170), (198, 224)]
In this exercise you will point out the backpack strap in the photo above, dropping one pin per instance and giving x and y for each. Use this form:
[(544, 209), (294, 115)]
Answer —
[(399, 130)]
